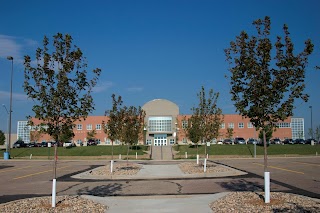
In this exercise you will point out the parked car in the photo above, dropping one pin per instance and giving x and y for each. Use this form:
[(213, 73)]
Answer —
[(252, 141), (92, 142), (68, 144), (299, 141), (308, 141), (288, 141), (19, 144), (227, 141), (44, 144), (276, 141), (32, 144), (239, 140)]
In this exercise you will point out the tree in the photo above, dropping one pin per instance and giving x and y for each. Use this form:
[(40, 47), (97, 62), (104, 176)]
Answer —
[(2, 137), (230, 132), (261, 90), (60, 85), (66, 135), (208, 116), (132, 125), (193, 130), (310, 132), (91, 135), (268, 133), (317, 133), (113, 126)]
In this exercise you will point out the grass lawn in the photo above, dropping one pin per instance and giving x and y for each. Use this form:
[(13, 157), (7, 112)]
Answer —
[(76, 151), (248, 150), (213, 150)]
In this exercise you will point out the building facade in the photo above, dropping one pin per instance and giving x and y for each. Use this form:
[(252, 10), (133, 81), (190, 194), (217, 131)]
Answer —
[(165, 126)]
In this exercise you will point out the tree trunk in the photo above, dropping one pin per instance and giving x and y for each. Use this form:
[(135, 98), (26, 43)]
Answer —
[(128, 155), (265, 151), (112, 150)]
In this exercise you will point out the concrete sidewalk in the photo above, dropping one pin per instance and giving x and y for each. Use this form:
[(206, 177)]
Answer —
[(163, 203), (158, 204)]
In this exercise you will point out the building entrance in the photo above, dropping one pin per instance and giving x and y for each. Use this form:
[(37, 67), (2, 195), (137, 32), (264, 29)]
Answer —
[(160, 140)]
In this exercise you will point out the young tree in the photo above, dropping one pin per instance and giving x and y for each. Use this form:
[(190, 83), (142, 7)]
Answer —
[(193, 130), (133, 124), (91, 134), (268, 133), (317, 133), (60, 85), (264, 91), (230, 132), (2, 138), (209, 115), (113, 126)]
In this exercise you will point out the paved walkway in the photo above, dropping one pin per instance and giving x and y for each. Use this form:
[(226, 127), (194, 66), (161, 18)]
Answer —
[(159, 204)]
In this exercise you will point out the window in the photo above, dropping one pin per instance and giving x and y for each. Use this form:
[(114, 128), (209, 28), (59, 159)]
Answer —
[(184, 124), (160, 124), (98, 141), (171, 141), (250, 125), (98, 127), (79, 126), (231, 125), (223, 126), (108, 142), (184, 140), (283, 125), (89, 126), (79, 141), (148, 141), (241, 125)]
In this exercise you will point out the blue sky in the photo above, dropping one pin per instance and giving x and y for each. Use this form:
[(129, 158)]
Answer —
[(149, 49)]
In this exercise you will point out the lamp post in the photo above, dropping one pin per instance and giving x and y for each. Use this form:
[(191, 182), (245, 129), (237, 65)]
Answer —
[(7, 141), (311, 122), (10, 58)]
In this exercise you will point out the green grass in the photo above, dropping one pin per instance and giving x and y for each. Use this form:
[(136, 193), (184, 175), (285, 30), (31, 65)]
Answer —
[(213, 150), (248, 150), (76, 151)]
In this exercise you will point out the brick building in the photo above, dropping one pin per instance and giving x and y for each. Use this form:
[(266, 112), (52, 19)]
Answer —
[(165, 126)]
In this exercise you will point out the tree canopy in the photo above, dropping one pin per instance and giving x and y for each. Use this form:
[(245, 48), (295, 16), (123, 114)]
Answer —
[(59, 84), (264, 86)]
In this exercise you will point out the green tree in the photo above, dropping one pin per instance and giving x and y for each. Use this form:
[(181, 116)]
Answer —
[(208, 115), (310, 132), (268, 133), (2, 137), (132, 125), (60, 85), (264, 91), (66, 135), (113, 126), (91, 134), (193, 130), (230, 132)]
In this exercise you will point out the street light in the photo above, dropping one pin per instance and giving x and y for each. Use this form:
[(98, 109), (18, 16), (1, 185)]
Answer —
[(7, 141), (311, 122), (10, 58)]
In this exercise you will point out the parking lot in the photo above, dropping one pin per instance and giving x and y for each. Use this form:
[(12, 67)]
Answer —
[(29, 178)]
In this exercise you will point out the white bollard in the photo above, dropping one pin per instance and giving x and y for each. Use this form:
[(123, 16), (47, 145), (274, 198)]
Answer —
[(186, 154), (111, 166), (207, 156), (197, 159), (267, 187), (54, 193), (119, 156), (30, 156), (205, 165), (136, 155)]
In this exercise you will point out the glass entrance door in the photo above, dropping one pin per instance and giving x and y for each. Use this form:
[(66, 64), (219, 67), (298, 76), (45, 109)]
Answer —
[(160, 140)]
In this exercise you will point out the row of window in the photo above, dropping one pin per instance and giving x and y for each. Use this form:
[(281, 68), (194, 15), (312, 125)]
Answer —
[(240, 125), (89, 127)]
